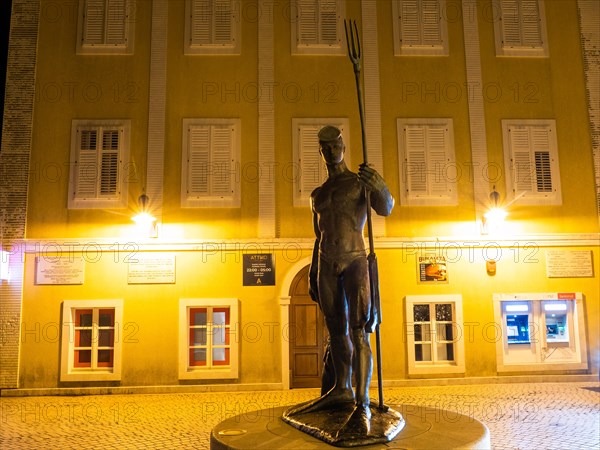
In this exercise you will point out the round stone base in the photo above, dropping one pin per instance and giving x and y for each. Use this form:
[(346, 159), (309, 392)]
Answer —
[(425, 428)]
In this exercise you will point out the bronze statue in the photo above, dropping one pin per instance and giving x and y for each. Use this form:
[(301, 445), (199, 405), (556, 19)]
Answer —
[(339, 280)]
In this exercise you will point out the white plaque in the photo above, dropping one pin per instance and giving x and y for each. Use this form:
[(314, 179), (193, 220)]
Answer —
[(151, 269), (59, 270), (569, 264)]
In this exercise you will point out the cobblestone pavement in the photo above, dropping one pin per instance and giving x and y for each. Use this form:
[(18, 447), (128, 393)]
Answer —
[(519, 416)]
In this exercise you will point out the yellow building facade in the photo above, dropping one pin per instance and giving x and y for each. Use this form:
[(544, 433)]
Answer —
[(204, 114)]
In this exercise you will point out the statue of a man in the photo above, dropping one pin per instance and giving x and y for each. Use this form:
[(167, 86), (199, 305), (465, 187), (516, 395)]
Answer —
[(339, 274)]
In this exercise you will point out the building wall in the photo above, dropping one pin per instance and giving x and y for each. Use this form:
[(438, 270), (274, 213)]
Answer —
[(70, 86)]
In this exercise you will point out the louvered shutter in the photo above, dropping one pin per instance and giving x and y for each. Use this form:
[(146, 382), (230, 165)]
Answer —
[(540, 144), (431, 21), (201, 21), (409, 19), (109, 165), (521, 25), (86, 163), (93, 22), (221, 165), (116, 22), (416, 159), (437, 159), (307, 22), (531, 24), (511, 23), (522, 166), (222, 16), (328, 20), (198, 160), (311, 165)]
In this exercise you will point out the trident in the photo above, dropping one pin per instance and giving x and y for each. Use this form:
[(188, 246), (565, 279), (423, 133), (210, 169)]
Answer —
[(353, 43)]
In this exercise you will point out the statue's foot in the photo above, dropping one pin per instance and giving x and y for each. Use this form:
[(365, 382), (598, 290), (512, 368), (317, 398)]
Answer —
[(358, 424), (332, 398)]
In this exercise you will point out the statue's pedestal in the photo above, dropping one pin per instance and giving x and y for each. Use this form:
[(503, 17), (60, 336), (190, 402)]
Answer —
[(425, 428)]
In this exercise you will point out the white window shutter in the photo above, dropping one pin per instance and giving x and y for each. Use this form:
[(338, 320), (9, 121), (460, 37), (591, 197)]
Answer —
[(201, 21), (198, 160), (109, 166), (521, 23), (311, 165), (437, 160), (307, 22), (222, 16), (540, 144), (93, 22), (511, 23), (431, 22), (531, 23), (522, 166), (409, 18), (328, 22), (86, 163), (416, 159), (116, 20), (221, 164)]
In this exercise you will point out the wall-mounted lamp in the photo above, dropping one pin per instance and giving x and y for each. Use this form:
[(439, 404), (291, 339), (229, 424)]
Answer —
[(144, 221), (493, 219)]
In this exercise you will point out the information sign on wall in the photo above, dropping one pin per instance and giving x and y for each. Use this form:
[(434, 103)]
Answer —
[(259, 269), (432, 269), (59, 270), (151, 269), (569, 264)]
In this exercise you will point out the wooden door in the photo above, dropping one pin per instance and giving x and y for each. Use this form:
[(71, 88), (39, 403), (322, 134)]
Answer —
[(307, 335)]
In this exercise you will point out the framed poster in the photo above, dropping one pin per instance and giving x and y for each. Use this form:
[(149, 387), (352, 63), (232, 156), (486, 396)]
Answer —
[(432, 269), (259, 269)]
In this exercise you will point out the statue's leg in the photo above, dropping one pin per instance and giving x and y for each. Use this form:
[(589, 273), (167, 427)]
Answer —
[(356, 285)]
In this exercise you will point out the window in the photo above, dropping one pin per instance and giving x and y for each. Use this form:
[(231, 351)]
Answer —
[(310, 170), (105, 27), (91, 344), (317, 27), (420, 27), (434, 334), (540, 332), (427, 171), (208, 343), (520, 28), (99, 161), (531, 156), (212, 27), (211, 167)]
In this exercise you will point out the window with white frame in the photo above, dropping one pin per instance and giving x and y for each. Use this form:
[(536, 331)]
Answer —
[(105, 27), (420, 27), (99, 164), (520, 28), (211, 163), (310, 170), (531, 157), (91, 344), (208, 343), (428, 170), (540, 331), (317, 26), (434, 334), (212, 27)]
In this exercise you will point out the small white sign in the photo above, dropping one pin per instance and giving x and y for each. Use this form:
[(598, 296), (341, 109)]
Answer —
[(59, 270), (569, 264), (152, 269)]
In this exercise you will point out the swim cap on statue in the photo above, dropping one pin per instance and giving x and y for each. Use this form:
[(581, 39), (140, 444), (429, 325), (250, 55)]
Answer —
[(329, 133)]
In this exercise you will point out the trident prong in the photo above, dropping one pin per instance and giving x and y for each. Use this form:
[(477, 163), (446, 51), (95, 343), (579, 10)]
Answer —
[(353, 47)]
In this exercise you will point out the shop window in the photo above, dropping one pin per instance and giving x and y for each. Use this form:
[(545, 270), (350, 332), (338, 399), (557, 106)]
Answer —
[(434, 334), (309, 169), (420, 27), (212, 27), (427, 169), (105, 27), (540, 332), (531, 156), (210, 166), (91, 348), (207, 339), (99, 164), (520, 28), (317, 26)]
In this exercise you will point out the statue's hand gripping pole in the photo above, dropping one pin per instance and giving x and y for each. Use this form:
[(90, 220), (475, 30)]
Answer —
[(354, 53)]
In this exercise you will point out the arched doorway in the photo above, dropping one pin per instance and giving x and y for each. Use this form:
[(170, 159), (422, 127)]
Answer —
[(307, 336)]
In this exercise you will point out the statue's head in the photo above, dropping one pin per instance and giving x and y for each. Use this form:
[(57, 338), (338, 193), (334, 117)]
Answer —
[(331, 144)]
